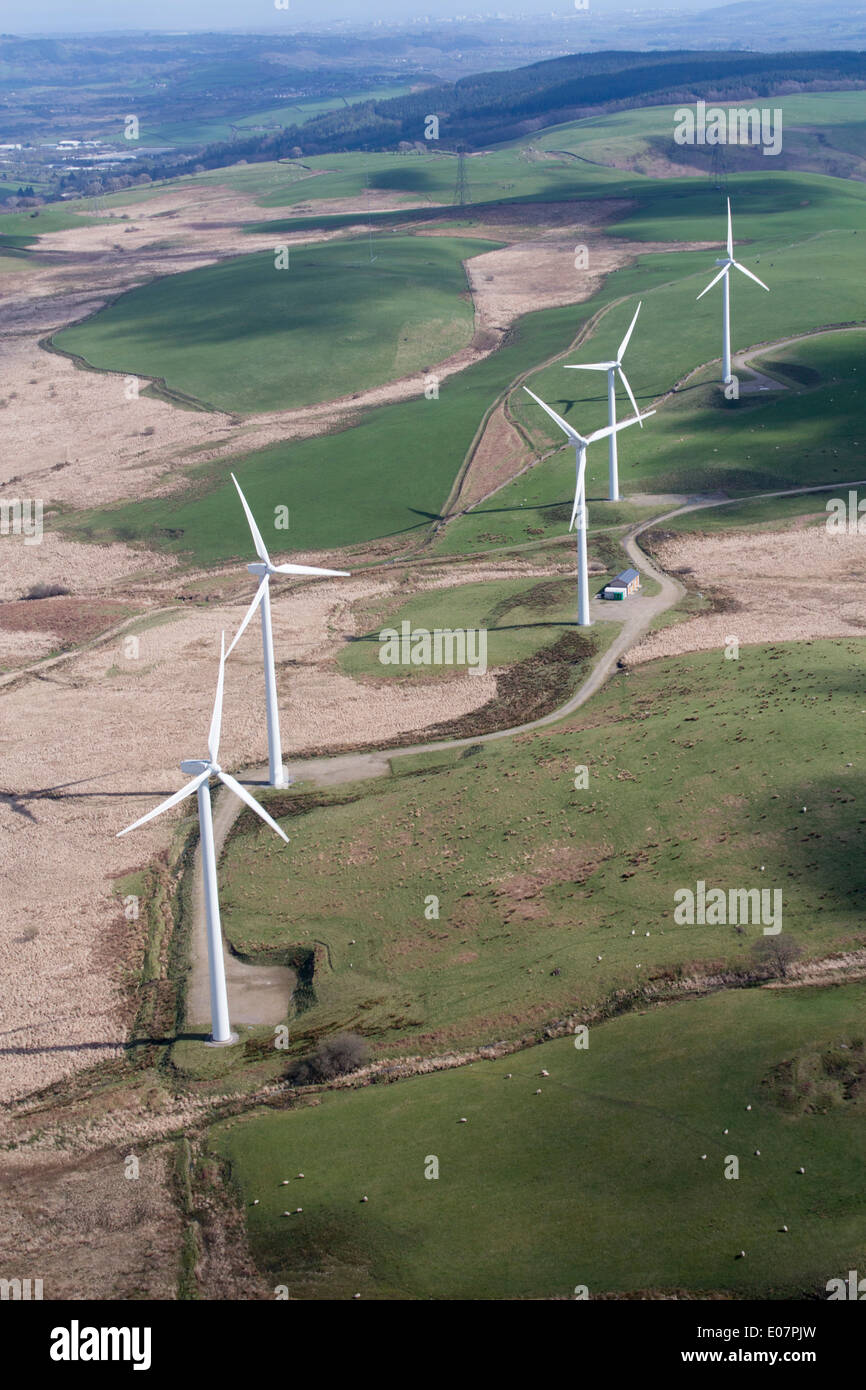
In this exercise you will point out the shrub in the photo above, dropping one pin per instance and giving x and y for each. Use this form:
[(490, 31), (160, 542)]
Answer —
[(47, 591), (334, 1057)]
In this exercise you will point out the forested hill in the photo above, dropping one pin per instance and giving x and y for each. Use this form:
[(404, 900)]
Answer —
[(497, 106)]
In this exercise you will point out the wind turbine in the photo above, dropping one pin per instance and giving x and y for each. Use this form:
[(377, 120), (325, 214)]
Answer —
[(203, 769), (612, 368), (264, 569), (580, 443), (725, 273)]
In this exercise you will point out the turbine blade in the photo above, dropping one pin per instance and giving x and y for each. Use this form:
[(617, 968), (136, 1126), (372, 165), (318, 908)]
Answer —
[(624, 344), (624, 380), (580, 462), (257, 598), (563, 424), (310, 569), (188, 790), (620, 425), (251, 802), (715, 280), (213, 738), (730, 233), (259, 544), (590, 367), (752, 277)]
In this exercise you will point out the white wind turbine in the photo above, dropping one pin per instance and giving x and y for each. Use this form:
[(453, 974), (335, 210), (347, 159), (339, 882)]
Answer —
[(203, 769), (579, 443), (612, 368), (726, 262), (264, 569)]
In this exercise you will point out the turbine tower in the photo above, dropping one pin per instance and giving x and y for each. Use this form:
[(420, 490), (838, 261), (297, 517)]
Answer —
[(580, 443), (264, 569), (726, 262), (203, 769), (612, 368)]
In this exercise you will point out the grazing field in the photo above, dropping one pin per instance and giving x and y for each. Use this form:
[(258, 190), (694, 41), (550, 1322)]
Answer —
[(518, 617), (342, 489), (245, 336), (611, 1178), (697, 769), (697, 443), (822, 131)]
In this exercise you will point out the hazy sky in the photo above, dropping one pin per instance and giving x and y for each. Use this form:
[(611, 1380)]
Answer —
[(92, 15)]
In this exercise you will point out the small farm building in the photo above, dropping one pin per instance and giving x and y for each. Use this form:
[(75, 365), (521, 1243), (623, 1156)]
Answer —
[(624, 584)]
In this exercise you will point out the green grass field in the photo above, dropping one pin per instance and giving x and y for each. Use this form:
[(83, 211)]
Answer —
[(342, 489), (518, 617), (824, 131), (245, 336), (356, 486), (698, 769), (599, 1181), (697, 443)]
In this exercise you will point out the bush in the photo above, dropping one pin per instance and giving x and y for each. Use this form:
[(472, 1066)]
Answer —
[(334, 1057), (47, 591), (778, 953)]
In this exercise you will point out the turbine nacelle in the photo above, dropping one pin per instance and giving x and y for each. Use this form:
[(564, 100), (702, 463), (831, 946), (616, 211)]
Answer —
[(613, 367), (202, 769), (727, 263)]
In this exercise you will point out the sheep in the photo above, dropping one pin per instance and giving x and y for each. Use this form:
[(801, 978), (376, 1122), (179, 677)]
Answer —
[(783, 1228), (300, 1175), (365, 1199), (462, 1120), (543, 1072), (801, 1170), (255, 1202), (757, 1153), (538, 1092)]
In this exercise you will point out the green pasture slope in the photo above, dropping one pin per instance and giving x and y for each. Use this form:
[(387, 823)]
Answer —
[(519, 617), (599, 1181), (698, 769), (244, 336), (800, 232), (807, 435), (387, 476), (826, 131)]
